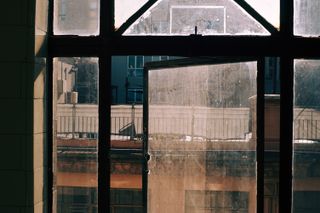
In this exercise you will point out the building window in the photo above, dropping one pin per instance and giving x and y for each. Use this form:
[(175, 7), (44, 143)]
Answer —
[(216, 201), (126, 200), (135, 66)]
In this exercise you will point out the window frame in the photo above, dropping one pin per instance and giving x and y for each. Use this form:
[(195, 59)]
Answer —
[(110, 42)]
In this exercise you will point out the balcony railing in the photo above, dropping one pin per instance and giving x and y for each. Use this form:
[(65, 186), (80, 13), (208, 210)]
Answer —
[(306, 125), (202, 123)]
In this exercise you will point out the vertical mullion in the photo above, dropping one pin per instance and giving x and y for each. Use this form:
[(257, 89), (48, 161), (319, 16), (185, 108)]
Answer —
[(286, 109), (104, 134), (145, 141), (50, 18), (286, 18), (260, 135), (49, 108), (105, 92), (106, 18), (286, 131)]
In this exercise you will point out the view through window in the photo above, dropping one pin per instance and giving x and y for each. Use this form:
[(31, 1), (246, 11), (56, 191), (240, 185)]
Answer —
[(183, 134), (75, 144)]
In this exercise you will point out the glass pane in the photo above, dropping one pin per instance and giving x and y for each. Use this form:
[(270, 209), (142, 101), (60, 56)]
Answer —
[(271, 154), (75, 128), (271, 134), (126, 136), (172, 17), (202, 138), (306, 17), (306, 183), (269, 9), (126, 132), (76, 17), (216, 201), (126, 8)]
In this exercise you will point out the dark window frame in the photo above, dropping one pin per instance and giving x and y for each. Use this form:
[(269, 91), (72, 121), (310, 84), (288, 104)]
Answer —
[(110, 42)]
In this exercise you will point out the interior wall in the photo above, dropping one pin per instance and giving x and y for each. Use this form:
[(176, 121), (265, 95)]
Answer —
[(23, 27)]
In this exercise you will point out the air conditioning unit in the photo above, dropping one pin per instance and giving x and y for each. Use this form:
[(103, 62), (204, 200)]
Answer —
[(61, 86), (74, 97)]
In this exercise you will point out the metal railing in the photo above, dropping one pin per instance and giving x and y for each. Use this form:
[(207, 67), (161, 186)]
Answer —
[(127, 123), (307, 129), (82, 124), (178, 121), (128, 128)]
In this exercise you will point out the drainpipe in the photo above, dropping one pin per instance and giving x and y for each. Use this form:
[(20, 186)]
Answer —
[(74, 101), (132, 121)]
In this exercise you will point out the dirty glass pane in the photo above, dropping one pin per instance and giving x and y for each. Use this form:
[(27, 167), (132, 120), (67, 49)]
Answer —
[(173, 17), (269, 9), (225, 201), (76, 17), (202, 138), (306, 182), (126, 8), (75, 134), (306, 17)]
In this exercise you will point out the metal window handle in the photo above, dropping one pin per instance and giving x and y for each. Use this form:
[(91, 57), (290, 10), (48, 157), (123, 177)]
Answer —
[(147, 156)]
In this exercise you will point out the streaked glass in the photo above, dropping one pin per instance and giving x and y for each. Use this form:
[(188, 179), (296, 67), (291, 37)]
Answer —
[(202, 138), (306, 18), (174, 17), (306, 158), (76, 17)]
